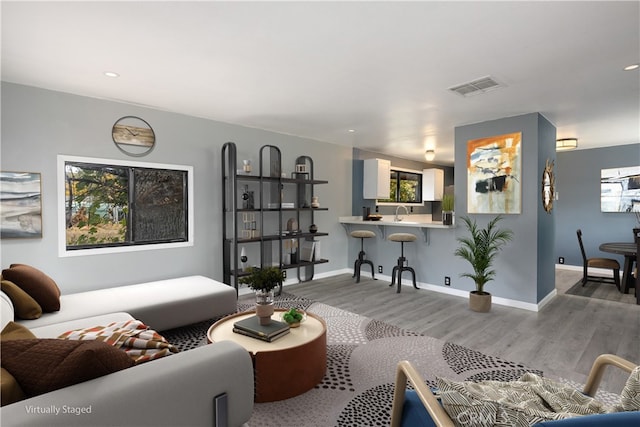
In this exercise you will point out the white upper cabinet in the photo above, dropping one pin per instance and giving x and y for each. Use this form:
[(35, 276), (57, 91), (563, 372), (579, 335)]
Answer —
[(432, 184), (376, 182)]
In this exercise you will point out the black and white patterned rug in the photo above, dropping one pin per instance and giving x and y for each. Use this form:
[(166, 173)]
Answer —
[(362, 355)]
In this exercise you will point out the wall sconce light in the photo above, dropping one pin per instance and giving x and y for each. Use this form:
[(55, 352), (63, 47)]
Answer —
[(430, 155), (566, 144)]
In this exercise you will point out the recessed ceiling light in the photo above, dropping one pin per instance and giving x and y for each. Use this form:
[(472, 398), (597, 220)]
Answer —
[(111, 74), (631, 67), (352, 130)]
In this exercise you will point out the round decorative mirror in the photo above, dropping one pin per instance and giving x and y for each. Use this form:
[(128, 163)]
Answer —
[(133, 136), (548, 186)]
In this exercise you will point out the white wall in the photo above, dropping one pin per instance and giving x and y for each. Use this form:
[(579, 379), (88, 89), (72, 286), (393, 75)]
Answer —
[(38, 124)]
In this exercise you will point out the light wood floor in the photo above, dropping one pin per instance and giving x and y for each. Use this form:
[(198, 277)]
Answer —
[(562, 339)]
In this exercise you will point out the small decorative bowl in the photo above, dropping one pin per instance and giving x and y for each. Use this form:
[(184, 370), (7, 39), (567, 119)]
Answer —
[(295, 324)]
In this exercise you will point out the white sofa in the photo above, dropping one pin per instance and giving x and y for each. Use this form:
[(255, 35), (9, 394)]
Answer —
[(162, 304), (177, 390)]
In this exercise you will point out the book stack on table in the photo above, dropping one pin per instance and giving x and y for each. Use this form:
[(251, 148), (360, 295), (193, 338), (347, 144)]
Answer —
[(251, 327)]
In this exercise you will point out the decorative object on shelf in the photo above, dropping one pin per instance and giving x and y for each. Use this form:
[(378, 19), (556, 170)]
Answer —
[(313, 228), (263, 281), (243, 258), (480, 250), (249, 225), (548, 186), (246, 166), (292, 226), (307, 250), (494, 174), (290, 247), (300, 175), (247, 198), (314, 202), (22, 212), (301, 168), (294, 317), (447, 209), (133, 136)]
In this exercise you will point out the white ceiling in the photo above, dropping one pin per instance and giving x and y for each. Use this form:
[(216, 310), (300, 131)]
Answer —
[(319, 69)]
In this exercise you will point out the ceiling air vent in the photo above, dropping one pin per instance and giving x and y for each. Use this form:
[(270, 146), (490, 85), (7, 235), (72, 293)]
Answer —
[(476, 87)]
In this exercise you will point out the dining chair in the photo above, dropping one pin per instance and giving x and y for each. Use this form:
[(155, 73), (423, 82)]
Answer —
[(608, 263), (421, 407)]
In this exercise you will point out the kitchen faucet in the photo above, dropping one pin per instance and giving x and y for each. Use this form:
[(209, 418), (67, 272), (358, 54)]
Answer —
[(406, 212)]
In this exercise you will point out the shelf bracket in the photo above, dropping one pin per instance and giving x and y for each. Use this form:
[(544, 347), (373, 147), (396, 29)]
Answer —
[(425, 233)]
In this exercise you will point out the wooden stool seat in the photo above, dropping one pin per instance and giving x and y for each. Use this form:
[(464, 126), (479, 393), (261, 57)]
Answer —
[(401, 267), (363, 234), (357, 265), (402, 237)]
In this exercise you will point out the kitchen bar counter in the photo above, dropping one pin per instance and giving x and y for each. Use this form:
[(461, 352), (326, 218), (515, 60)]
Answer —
[(423, 222)]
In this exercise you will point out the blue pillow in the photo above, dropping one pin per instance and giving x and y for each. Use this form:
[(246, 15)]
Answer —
[(614, 419), (414, 413)]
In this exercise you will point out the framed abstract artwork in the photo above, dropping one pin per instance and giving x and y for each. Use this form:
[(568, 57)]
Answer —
[(620, 189), (20, 205), (494, 171)]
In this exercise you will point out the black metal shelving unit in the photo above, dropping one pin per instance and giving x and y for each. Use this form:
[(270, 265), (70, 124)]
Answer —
[(271, 186)]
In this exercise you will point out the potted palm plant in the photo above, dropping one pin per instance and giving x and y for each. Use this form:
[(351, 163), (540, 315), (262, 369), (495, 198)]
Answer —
[(480, 250), (263, 281), (447, 209)]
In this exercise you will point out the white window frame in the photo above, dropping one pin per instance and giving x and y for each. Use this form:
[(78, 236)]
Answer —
[(62, 238)]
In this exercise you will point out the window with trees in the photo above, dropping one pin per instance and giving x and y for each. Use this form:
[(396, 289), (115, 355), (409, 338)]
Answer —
[(404, 187), (111, 205)]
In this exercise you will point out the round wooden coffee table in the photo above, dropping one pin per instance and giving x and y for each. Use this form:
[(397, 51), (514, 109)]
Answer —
[(286, 367)]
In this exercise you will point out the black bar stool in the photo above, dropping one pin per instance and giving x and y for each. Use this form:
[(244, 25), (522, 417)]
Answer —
[(362, 234), (400, 267)]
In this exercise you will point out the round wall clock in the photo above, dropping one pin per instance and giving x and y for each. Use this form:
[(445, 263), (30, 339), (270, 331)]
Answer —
[(548, 187), (133, 136)]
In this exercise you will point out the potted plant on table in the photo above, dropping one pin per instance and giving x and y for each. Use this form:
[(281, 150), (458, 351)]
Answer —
[(263, 281), (447, 209), (481, 249)]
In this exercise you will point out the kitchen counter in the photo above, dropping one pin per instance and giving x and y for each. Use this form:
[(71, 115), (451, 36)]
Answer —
[(423, 222)]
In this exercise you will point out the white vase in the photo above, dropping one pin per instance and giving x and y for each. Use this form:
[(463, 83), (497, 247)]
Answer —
[(264, 306)]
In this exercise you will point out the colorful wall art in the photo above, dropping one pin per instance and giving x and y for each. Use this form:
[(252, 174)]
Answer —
[(620, 189), (20, 205), (494, 171)]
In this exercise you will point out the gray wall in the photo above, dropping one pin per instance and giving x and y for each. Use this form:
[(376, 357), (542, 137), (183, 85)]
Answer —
[(523, 268), (578, 204), (38, 124)]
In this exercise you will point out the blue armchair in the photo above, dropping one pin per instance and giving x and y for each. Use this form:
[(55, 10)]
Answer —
[(420, 407)]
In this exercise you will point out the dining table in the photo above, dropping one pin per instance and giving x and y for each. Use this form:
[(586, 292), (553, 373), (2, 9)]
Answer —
[(629, 251)]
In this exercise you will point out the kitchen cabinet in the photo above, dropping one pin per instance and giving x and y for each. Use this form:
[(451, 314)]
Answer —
[(376, 179), (432, 185)]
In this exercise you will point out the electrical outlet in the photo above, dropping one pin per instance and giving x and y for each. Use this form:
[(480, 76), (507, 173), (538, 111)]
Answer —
[(380, 269), (561, 260), (447, 281), (284, 274)]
